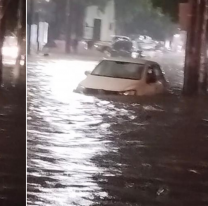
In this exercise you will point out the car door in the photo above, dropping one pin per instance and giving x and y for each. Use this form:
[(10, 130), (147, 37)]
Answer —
[(151, 84), (161, 83)]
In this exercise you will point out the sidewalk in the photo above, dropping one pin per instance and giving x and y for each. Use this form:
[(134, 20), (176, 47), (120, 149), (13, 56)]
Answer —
[(52, 56), (57, 53)]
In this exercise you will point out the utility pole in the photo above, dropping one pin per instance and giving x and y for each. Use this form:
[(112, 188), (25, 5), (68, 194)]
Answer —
[(31, 11), (193, 47), (19, 39), (68, 26), (38, 31)]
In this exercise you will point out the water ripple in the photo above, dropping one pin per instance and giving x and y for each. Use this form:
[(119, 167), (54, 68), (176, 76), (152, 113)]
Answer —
[(112, 151)]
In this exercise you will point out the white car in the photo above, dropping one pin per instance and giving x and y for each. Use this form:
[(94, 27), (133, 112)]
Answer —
[(124, 77)]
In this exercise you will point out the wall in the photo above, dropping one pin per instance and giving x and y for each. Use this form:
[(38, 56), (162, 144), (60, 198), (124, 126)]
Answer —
[(107, 17)]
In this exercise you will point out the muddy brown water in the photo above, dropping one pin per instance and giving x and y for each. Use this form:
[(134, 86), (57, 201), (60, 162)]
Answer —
[(86, 150)]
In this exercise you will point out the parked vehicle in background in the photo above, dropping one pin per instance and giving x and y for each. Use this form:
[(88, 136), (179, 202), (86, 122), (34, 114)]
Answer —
[(137, 51), (117, 37), (103, 46), (124, 77), (106, 47)]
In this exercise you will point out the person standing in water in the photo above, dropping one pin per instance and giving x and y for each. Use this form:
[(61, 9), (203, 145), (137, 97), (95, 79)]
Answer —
[(75, 43)]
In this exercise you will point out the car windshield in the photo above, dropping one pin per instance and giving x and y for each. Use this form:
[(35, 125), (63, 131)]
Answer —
[(118, 69)]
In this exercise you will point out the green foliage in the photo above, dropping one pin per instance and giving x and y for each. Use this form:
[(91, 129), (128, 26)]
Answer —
[(169, 7), (152, 17), (140, 17), (100, 3)]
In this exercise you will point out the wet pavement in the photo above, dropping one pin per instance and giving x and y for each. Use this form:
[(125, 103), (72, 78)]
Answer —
[(12, 142), (108, 151)]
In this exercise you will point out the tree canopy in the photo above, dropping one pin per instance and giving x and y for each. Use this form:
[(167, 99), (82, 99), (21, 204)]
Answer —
[(141, 17), (169, 7), (151, 17)]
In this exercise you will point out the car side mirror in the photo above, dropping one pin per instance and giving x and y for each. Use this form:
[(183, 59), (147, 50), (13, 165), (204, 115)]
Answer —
[(87, 73)]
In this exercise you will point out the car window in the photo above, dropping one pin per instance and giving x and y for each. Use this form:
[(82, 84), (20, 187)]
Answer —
[(151, 75), (158, 71), (118, 69)]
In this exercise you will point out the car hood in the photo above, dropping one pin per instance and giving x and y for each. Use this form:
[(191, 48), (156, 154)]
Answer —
[(110, 84)]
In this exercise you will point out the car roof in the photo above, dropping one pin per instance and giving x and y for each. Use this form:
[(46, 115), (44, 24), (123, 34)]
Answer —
[(120, 36), (131, 60)]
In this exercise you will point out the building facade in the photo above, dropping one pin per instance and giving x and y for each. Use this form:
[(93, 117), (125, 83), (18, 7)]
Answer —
[(100, 25)]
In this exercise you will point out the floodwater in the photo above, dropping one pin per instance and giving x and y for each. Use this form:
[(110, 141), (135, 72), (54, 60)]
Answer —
[(12, 142), (112, 150)]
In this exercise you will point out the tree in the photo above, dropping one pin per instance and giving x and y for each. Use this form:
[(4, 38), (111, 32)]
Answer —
[(41, 11), (54, 12), (139, 17), (20, 37), (135, 16), (169, 7)]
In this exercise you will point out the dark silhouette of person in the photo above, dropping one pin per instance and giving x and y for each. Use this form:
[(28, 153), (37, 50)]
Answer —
[(75, 43)]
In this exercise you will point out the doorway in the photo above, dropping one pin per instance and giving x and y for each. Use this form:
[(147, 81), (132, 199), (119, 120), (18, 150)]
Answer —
[(97, 29)]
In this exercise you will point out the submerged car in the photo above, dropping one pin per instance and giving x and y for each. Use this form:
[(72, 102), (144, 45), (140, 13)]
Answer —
[(124, 77)]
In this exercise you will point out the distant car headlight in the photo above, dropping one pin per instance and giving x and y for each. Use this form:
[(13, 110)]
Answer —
[(80, 89), (128, 93), (10, 51), (134, 55)]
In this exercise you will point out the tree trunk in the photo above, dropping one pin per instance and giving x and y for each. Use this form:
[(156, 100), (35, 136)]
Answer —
[(68, 26), (30, 21), (78, 12), (193, 48), (38, 31), (19, 40)]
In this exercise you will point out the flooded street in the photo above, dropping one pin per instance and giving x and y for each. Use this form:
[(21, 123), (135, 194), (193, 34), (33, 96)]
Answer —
[(12, 143), (86, 150)]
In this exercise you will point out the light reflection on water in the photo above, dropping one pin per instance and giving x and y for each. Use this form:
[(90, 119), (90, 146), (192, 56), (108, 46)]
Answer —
[(100, 151), (60, 138)]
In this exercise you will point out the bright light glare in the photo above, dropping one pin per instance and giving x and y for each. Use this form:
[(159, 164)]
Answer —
[(10, 51), (177, 35), (134, 55), (66, 75)]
